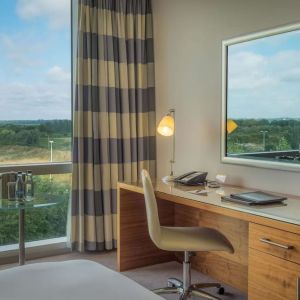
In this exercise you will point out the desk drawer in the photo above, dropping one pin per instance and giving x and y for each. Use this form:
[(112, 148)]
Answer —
[(272, 278), (276, 242)]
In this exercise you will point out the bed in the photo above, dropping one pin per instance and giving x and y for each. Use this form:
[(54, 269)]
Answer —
[(69, 280)]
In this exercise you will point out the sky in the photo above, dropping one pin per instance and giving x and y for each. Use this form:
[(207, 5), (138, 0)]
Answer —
[(264, 77), (35, 59)]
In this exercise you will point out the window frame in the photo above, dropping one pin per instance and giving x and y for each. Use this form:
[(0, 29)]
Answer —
[(56, 245), (40, 168)]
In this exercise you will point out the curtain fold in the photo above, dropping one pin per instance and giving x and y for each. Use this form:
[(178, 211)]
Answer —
[(114, 113)]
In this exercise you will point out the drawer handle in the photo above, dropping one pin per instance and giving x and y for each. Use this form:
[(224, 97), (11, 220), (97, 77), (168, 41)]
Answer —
[(267, 241)]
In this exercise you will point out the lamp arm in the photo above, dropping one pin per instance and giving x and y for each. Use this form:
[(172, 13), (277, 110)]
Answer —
[(172, 161)]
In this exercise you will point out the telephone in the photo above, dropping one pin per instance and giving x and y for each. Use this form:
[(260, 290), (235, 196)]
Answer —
[(192, 178)]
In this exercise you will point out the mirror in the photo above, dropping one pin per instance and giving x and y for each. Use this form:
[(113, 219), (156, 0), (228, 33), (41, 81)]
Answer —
[(261, 99)]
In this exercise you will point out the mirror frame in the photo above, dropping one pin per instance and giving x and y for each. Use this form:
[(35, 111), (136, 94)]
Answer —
[(244, 161)]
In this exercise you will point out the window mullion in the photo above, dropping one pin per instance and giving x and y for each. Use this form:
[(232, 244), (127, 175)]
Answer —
[(40, 169)]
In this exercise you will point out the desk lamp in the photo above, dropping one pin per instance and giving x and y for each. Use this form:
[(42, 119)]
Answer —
[(166, 127)]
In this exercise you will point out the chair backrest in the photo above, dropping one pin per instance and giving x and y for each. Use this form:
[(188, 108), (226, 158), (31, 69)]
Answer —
[(151, 209)]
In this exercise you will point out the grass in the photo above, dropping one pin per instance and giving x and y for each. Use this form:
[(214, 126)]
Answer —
[(61, 143), (28, 154)]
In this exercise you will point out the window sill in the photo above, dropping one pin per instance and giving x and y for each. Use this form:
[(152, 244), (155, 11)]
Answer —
[(40, 168), (37, 249)]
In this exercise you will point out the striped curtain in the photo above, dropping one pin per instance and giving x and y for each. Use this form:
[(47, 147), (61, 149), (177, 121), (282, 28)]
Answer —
[(114, 113)]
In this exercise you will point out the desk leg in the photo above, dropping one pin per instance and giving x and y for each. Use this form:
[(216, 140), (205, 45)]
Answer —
[(21, 236)]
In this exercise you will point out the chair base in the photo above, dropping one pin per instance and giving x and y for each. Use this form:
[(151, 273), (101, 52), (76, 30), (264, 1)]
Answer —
[(184, 288), (175, 286)]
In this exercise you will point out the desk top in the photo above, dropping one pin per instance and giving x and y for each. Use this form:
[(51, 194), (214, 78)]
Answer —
[(288, 212)]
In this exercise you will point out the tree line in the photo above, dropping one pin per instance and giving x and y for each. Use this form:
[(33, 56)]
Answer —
[(280, 134), (29, 133)]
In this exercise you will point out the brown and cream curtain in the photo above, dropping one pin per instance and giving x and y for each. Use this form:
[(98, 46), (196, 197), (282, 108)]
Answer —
[(114, 113)]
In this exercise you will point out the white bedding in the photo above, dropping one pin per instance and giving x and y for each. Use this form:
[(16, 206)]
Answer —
[(69, 280)]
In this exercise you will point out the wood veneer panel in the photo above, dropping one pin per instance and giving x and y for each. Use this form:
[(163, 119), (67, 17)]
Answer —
[(226, 267), (258, 232), (244, 216), (235, 230), (186, 216), (271, 277), (222, 269), (268, 221), (135, 248)]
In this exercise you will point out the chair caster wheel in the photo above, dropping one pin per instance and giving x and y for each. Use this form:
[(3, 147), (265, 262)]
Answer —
[(174, 283), (221, 291)]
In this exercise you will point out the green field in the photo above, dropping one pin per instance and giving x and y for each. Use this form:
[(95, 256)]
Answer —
[(29, 141), (25, 142), (14, 154)]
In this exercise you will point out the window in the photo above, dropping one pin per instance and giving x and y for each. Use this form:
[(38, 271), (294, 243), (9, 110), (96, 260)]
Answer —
[(43, 223), (35, 108)]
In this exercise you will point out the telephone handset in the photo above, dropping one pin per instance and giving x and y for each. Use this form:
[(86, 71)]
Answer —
[(192, 178)]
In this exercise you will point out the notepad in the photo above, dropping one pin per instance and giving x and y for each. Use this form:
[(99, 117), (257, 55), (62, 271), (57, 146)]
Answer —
[(256, 197)]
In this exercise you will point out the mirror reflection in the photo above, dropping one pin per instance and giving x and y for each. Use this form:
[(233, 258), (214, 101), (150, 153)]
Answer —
[(263, 98)]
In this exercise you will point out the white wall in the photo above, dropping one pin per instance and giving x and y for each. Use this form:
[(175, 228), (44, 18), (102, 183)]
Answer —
[(188, 37)]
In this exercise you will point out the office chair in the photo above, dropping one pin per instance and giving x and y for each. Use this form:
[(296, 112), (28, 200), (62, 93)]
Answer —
[(185, 239)]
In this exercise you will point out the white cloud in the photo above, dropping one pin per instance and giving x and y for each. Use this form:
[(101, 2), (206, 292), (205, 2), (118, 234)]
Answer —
[(57, 74), (24, 101), (286, 64), (292, 75), (56, 11), (264, 86), (249, 70), (21, 51)]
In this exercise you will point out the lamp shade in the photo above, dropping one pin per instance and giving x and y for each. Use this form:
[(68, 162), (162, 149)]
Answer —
[(166, 126), (231, 126)]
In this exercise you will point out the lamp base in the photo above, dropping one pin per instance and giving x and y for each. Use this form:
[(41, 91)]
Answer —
[(168, 178)]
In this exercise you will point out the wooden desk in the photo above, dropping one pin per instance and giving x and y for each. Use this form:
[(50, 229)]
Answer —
[(264, 270)]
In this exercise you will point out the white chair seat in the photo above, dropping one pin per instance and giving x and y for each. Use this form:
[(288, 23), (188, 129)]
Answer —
[(193, 239)]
